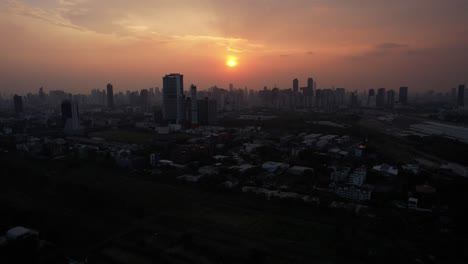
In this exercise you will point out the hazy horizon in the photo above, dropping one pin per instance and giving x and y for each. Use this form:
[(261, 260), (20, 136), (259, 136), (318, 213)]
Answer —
[(79, 45)]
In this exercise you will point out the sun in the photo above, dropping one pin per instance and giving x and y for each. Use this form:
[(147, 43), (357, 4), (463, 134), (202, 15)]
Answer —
[(231, 62)]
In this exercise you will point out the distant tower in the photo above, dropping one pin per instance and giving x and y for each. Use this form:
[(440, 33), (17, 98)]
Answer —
[(403, 95), (18, 101), (461, 96), (194, 102), (231, 87), (144, 97), (70, 117), (380, 98), (390, 98), (173, 97), (296, 85), (110, 96), (310, 83)]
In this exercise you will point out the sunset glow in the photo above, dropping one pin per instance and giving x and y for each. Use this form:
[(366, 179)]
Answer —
[(231, 62), (80, 44)]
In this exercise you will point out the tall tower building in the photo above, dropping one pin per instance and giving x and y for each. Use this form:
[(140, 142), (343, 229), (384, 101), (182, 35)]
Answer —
[(403, 95), (461, 95), (310, 83), (18, 102), (110, 96), (173, 98), (380, 98), (296, 85), (70, 117), (194, 102), (390, 98)]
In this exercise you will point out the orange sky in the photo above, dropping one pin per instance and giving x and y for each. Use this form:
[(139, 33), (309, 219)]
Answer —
[(78, 45)]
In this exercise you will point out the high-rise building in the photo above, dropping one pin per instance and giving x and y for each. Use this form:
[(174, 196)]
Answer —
[(371, 98), (340, 96), (390, 98), (144, 97), (194, 102), (231, 87), (173, 98), (18, 102), (403, 95), (461, 95), (70, 117), (310, 83), (207, 111), (380, 98), (296, 85), (110, 96)]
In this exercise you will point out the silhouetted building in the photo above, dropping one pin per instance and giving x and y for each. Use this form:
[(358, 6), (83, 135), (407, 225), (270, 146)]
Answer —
[(371, 98), (390, 98), (461, 95), (144, 97), (173, 98), (310, 84), (296, 85), (18, 102), (403, 95), (207, 111), (194, 102), (70, 117), (380, 98), (110, 96), (340, 96)]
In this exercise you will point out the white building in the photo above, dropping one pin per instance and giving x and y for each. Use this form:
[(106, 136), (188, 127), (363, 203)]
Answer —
[(355, 193), (358, 176)]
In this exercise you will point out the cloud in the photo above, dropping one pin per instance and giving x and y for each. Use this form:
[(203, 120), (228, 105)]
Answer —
[(390, 45), (380, 50)]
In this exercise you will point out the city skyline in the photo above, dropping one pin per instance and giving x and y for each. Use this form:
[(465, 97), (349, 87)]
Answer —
[(77, 45)]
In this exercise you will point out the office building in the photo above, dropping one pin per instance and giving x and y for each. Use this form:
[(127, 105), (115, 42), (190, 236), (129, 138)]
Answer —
[(310, 84), (18, 102), (207, 111), (371, 98), (390, 98), (403, 95), (380, 98), (194, 102), (110, 96), (296, 85), (461, 96), (70, 117), (340, 96), (173, 98)]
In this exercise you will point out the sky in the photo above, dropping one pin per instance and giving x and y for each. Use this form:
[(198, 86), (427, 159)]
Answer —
[(79, 45)]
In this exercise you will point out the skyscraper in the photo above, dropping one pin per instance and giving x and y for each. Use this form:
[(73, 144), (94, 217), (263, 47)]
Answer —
[(110, 96), (461, 95), (296, 85), (144, 97), (173, 97), (310, 84), (403, 95), (70, 117), (18, 102), (340, 96), (371, 98), (380, 98), (390, 98), (194, 102)]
